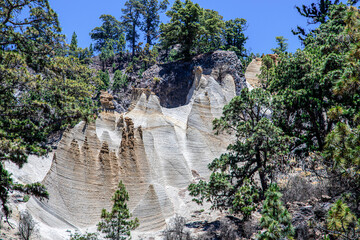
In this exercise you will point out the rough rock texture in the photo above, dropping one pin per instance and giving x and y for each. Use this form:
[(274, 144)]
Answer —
[(155, 151), (106, 100), (174, 80), (252, 72)]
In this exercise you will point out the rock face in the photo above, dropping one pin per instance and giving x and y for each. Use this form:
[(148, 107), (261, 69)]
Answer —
[(171, 82), (252, 72), (106, 100), (156, 152)]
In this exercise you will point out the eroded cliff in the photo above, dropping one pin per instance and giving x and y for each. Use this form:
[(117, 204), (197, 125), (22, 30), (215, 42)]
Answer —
[(156, 151)]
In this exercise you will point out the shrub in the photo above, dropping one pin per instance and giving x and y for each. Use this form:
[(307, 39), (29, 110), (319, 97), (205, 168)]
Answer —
[(300, 189), (175, 229), (275, 220), (26, 198), (86, 236), (105, 78), (120, 80), (26, 226), (342, 223)]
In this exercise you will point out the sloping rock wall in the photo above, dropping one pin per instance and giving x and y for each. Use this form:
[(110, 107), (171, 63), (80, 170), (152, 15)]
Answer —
[(155, 151)]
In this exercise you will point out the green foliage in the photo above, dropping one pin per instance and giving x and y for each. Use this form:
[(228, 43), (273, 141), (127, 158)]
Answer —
[(282, 45), (107, 54), (131, 20), (150, 11), (26, 198), (234, 36), (258, 149), (148, 57), (184, 28), (211, 39), (115, 224), (120, 80), (109, 33), (74, 42), (105, 78), (267, 70), (342, 223), (86, 236), (315, 13), (83, 55), (41, 91), (246, 199), (275, 220)]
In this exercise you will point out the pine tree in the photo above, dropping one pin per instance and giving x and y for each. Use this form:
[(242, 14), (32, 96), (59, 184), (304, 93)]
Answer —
[(282, 45), (342, 223), (74, 43), (111, 31), (184, 28), (115, 224), (131, 20), (234, 36), (211, 39), (316, 13), (267, 71), (275, 220), (150, 11)]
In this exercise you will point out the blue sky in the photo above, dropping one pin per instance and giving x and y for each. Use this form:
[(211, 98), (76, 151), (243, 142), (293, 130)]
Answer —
[(266, 18)]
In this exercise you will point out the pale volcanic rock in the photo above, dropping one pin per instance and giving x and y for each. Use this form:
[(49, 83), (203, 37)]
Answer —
[(155, 151), (252, 72)]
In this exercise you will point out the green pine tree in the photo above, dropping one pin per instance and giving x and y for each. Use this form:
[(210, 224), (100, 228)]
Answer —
[(42, 90), (115, 224), (120, 80), (282, 45), (150, 11), (184, 27), (275, 220), (212, 38), (342, 223), (234, 36), (74, 43), (111, 31), (131, 20)]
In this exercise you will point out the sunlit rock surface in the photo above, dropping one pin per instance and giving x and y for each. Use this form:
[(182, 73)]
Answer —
[(155, 151), (252, 72)]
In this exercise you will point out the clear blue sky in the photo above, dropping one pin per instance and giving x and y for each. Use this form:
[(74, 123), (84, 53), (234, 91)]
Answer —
[(266, 18)]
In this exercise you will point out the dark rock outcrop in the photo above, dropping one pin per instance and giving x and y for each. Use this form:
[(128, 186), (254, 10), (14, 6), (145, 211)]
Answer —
[(171, 82)]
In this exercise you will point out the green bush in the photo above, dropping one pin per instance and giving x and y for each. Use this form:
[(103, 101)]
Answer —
[(105, 78), (275, 220), (120, 80)]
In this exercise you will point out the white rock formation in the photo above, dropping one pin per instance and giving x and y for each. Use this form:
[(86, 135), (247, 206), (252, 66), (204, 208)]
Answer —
[(155, 151)]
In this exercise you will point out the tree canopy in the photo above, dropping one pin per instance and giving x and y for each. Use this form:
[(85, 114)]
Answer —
[(41, 90), (111, 32)]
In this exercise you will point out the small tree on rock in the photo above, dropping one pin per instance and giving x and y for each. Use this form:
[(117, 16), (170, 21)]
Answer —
[(115, 224), (276, 220)]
